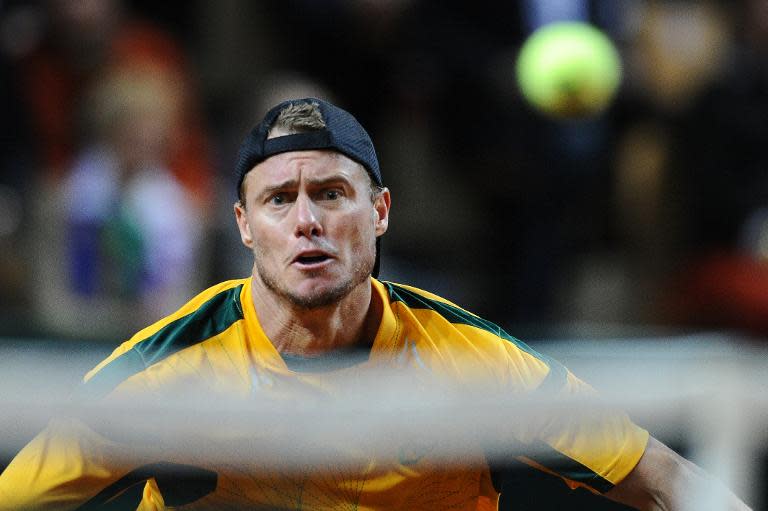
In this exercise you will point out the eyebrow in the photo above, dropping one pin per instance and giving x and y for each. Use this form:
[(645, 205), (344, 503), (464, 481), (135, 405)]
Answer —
[(268, 190), (292, 183)]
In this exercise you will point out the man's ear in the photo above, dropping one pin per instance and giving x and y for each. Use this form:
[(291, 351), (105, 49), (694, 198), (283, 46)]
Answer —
[(381, 204), (242, 224)]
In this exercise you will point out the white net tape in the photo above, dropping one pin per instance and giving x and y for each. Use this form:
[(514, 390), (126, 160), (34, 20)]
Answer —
[(708, 392)]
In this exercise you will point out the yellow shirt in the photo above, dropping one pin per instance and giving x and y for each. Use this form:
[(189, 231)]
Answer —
[(215, 342)]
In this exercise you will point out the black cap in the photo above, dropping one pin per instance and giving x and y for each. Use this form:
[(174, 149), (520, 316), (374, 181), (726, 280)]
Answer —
[(342, 133)]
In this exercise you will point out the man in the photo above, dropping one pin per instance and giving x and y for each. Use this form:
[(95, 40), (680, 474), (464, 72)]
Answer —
[(311, 208)]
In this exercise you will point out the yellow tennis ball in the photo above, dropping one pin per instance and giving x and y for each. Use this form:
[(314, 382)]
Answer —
[(569, 69)]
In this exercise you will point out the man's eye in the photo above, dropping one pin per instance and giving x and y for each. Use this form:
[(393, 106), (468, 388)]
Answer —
[(278, 199), (332, 194)]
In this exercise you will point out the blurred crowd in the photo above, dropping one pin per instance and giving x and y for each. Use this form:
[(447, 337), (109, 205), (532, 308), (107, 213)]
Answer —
[(121, 121)]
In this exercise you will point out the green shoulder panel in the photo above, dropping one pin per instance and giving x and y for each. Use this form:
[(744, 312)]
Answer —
[(555, 379), (209, 320)]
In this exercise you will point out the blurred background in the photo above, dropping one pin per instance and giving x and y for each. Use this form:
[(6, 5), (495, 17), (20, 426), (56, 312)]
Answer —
[(121, 121)]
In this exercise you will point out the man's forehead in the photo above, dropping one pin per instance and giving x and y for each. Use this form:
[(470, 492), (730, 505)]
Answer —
[(311, 163)]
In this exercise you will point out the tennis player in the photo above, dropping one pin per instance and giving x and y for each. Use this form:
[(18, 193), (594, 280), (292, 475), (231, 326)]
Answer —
[(311, 209)]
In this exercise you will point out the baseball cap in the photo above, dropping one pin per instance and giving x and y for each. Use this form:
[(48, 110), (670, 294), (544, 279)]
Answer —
[(342, 133)]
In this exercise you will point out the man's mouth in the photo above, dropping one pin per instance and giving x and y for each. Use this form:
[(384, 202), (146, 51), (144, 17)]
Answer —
[(312, 258)]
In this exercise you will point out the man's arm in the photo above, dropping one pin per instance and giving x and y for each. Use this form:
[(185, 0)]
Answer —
[(664, 480), (69, 466)]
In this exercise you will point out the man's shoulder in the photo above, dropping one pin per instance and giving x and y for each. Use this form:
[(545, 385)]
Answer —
[(476, 329), (208, 302), (422, 303), (218, 298), (412, 295), (206, 315)]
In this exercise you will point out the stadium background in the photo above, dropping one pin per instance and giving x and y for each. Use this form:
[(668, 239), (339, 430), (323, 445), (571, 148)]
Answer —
[(647, 221)]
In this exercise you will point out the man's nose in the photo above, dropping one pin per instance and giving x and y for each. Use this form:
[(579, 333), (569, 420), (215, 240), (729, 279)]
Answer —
[(307, 218)]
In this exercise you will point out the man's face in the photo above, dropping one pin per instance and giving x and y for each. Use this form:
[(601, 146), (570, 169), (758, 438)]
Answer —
[(311, 225)]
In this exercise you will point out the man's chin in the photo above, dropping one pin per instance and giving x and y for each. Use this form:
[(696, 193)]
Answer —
[(320, 296)]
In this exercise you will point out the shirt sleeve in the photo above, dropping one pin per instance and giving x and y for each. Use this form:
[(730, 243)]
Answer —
[(72, 465), (62, 468), (589, 444), (595, 446)]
